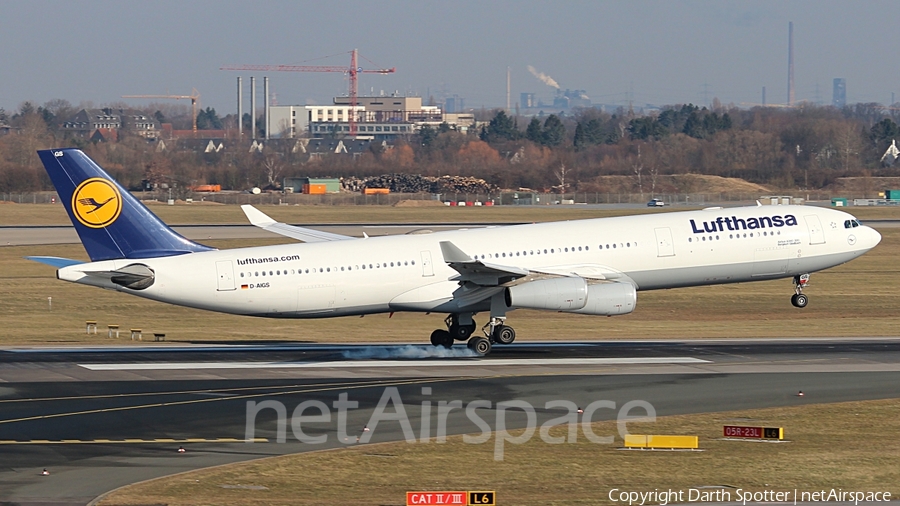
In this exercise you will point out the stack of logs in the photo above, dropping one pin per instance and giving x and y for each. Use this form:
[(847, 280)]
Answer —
[(415, 183)]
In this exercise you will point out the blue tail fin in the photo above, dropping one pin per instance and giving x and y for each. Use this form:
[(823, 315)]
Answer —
[(110, 221)]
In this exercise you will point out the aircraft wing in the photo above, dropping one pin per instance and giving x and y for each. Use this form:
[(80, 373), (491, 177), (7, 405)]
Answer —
[(481, 280), (261, 220)]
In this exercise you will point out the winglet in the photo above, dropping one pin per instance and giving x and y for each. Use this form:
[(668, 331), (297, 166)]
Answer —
[(453, 254), (257, 217)]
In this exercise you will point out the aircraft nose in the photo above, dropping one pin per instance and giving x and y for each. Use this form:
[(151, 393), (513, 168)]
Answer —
[(876, 237)]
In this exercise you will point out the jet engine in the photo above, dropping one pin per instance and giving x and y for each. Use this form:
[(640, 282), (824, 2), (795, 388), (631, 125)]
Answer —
[(555, 294), (608, 299)]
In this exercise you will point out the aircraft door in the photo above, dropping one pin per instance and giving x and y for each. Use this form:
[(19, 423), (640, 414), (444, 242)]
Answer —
[(225, 273), (816, 234), (427, 266), (665, 247)]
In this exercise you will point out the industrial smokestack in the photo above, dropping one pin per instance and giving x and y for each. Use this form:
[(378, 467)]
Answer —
[(266, 95), (240, 111), (507, 90), (790, 63), (253, 108)]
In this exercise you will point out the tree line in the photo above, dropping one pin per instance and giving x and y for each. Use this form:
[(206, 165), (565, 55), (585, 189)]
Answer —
[(807, 146)]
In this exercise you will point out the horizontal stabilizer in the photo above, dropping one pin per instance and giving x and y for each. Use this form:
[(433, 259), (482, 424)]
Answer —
[(259, 219), (57, 262), (134, 276)]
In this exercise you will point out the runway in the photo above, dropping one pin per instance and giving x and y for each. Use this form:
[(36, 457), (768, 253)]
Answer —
[(101, 417)]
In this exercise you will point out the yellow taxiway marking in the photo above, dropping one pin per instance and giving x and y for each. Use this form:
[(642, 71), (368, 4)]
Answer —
[(130, 441)]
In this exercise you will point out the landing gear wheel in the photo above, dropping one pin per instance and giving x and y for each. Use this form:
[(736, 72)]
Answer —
[(462, 332), (441, 337), (504, 334), (800, 300), (479, 345)]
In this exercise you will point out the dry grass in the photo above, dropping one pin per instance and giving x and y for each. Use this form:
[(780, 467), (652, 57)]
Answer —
[(855, 299), (832, 446)]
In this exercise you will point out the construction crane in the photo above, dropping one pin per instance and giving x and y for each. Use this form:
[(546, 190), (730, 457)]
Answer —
[(194, 98), (352, 71)]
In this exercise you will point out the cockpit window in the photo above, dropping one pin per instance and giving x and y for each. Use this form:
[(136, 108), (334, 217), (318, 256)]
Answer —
[(847, 224), (852, 223), (856, 223)]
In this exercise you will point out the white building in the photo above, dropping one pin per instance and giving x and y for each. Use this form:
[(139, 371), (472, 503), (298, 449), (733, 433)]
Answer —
[(288, 121), (376, 118)]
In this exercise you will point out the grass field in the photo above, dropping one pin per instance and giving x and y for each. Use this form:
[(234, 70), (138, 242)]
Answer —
[(855, 299), (831, 446)]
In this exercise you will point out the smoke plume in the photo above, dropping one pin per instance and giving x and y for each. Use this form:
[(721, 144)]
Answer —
[(408, 352), (549, 81)]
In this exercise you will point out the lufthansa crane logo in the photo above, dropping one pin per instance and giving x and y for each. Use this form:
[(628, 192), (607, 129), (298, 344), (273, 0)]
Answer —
[(96, 202)]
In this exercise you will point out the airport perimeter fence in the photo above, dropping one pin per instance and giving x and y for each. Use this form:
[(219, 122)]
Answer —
[(502, 198)]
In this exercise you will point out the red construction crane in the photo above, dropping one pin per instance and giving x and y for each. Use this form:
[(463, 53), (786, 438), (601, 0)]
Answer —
[(351, 71)]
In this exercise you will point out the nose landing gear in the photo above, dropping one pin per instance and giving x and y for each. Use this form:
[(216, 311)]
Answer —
[(799, 299)]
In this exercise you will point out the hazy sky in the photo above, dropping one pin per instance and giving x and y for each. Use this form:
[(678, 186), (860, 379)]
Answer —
[(658, 52)]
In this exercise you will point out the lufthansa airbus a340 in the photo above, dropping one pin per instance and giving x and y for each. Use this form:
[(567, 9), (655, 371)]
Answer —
[(593, 266)]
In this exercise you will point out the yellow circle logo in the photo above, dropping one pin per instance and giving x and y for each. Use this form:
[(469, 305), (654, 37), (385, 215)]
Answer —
[(96, 202)]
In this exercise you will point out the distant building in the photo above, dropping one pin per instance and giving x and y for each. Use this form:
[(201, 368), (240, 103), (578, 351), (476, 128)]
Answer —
[(289, 121), (527, 100), (105, 124), (571, 98), (454, 104), (377, 118), (839, 96)]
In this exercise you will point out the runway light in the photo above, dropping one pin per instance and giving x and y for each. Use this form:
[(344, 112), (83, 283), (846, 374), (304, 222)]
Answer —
[(181, 449), (366, 428), (580, 411), (800, 393), (45, 473)]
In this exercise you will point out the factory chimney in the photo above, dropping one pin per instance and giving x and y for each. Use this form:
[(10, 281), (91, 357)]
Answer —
[(266, 95), (507, 90), (790, 100), (253, 108), (240, 111)]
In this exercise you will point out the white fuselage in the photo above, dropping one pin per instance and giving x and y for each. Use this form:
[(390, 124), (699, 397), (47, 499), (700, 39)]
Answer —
[(408, 273)]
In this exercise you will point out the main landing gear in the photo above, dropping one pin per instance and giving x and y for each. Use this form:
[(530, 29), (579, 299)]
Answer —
[(460, 327), (798, 299)]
